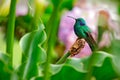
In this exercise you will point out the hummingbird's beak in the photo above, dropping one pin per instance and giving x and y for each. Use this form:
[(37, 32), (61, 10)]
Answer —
[(72, 17)]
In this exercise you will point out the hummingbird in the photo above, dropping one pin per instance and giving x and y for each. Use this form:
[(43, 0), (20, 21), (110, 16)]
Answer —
[(83, 31)]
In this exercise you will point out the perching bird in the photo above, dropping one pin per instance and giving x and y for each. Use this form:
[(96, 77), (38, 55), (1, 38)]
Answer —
[(83, 31)]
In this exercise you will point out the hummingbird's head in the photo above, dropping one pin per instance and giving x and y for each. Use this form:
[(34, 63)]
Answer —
[(81, 21)]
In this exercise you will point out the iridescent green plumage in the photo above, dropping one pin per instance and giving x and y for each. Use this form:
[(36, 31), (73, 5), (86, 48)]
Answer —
[(83, 31)]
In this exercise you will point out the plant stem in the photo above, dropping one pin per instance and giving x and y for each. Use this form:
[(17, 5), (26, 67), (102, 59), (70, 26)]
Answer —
[(63, 58), (10, 29), (49, 43), (51, 30)]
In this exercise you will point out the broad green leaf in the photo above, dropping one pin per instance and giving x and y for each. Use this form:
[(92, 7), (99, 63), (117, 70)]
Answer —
[(115, 51), (77, 69), (68, 73), (103, 66), (35, 54)]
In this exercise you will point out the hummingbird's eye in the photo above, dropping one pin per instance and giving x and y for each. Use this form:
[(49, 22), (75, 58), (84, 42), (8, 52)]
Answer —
[(82, 23)]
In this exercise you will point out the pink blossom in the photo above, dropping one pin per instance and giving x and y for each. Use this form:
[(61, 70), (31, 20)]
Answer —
[(21, 8)]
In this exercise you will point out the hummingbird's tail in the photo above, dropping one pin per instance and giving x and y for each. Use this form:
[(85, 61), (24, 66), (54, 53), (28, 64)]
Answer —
[(92, 46)]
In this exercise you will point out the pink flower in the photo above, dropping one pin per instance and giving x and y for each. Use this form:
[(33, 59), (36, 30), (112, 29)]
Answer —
[(21, 8)]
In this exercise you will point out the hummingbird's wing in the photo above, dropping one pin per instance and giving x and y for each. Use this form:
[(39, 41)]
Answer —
[(92, 43), (90, 40)]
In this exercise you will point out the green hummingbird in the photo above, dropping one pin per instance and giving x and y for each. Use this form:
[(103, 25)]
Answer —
[(83, 31)]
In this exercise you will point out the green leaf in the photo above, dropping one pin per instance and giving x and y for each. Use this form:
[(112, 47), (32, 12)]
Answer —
[(77, 69), (35, 54), (68, 73), (103, 66), (5, 68), (115, 51), (4, 58)]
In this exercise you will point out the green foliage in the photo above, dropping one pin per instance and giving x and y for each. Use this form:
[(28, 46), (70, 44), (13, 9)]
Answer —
[(56, 2), (115, 50), (104, 66), (32, 50), (67, 4), (75, 69), (5, 68), (24, 22)]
